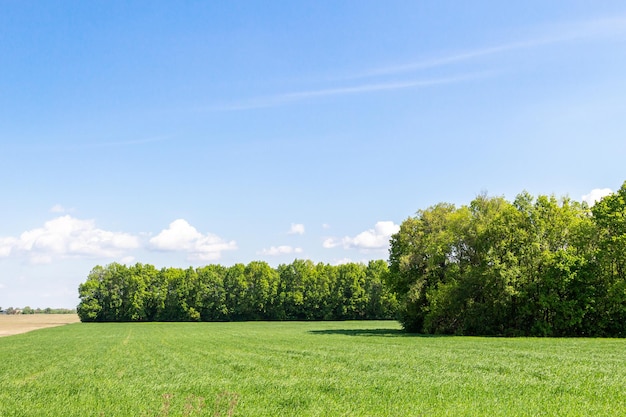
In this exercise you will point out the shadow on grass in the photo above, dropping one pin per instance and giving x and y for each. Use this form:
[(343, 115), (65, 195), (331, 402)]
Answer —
[(370, 332)]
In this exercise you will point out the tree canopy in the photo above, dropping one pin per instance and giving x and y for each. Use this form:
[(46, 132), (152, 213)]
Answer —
[(301, 290), (534, 266)]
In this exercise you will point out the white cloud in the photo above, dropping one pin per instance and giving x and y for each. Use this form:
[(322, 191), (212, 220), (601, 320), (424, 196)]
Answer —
[(6, 246), (325, 226), (296, 229), (596, 195), (342, 261), (57, 208), (331, 242), (127, 260), (60, 209), (65, 237), (183, 237), (280, 250), (371, 239)]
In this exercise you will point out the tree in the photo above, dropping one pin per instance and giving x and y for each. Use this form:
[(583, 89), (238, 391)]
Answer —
[(146, 300), (609, 215), (419, 260), (299, 291), (349, 299), (293, 290), (91, 296), (179, 297), (499, 268), (212, 294), (381, 302), (262, 286), (235, 285)]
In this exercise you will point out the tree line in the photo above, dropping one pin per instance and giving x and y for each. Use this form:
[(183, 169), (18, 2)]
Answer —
[(30, 310), (301, 290), (535, 266)]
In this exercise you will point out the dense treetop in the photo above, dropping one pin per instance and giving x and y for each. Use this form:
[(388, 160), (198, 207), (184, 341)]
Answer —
[(301, 290), (534, 266)]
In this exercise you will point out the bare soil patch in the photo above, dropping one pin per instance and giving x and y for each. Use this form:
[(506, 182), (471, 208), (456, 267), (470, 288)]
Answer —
[(22, 323)]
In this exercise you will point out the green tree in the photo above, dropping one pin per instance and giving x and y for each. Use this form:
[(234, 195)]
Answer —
[(298, 291), (294, 288), (381, 302), (533, 267), (236, 286), (148, 297), (175, 307), (91, 296), (261, 291), (212, 294), (609, 215), (351, 299), (419, 260)]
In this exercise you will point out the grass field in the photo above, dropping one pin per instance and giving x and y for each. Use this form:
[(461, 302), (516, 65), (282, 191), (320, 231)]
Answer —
[(303, 369)]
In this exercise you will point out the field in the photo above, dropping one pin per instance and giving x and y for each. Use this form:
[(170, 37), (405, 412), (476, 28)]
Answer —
[(22, 323), (303, 369)]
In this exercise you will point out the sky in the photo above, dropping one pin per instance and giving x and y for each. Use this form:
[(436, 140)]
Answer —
[(189, 133)]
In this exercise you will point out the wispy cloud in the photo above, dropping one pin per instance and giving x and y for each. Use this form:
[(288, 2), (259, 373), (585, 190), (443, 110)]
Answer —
[(77, 145), (447, 60), (556, 34), (117, 144), (602, 28), (285, 98), (57, 208), (279, 250)]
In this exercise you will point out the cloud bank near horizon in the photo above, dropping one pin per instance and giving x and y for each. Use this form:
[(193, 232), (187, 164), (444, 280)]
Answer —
[(180, 236), (596, 195), (67, 237), (371, 239)]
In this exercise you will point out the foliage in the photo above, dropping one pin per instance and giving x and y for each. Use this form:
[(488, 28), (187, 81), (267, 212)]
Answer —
[(349, 368), (30, 310), (301, 290), (541, 267)]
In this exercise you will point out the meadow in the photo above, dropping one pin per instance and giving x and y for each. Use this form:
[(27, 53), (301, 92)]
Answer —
[(352, 368)]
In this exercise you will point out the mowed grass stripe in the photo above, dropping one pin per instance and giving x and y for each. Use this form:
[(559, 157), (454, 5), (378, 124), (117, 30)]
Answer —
[(303, 369)]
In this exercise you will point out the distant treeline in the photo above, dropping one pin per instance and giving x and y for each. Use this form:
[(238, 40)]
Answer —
[(29, 310), (534, 266), (301, 290)]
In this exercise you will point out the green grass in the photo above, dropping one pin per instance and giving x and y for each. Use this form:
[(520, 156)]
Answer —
[(303, 369)]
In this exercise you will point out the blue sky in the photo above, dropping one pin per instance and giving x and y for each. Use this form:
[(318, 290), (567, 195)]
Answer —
[(187, 133)]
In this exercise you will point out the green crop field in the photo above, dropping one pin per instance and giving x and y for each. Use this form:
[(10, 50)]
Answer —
[(303, 369)]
